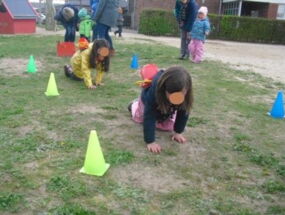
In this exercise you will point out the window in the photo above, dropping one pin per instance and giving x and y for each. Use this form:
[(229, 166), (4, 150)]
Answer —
[(281, 12), (231, 8)]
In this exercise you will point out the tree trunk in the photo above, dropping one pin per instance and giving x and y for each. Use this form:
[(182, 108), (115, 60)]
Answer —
[(50, 13)]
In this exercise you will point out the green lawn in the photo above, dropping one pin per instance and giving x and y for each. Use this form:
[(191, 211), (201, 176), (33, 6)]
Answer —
[(234, 162)]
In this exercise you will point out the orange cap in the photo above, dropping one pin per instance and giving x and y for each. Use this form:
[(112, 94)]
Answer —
[(83, 43)]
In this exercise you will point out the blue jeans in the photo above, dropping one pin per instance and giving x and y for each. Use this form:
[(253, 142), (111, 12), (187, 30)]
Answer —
[(70, 33), (102, 31)]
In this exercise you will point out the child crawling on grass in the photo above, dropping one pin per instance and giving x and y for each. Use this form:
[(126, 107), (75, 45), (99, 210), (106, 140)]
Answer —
[(88, 57), (165, 105)]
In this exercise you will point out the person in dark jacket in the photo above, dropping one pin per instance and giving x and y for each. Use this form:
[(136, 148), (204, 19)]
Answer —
[(165, 105), (123, 4), (105, 17), (68, 17), (186, 13)]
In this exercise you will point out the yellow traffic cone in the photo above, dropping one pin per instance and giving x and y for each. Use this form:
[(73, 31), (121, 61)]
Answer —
[(51, 88), (94, 163)]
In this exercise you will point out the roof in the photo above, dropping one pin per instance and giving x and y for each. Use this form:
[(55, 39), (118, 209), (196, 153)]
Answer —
[(259, 1), (20, 9)]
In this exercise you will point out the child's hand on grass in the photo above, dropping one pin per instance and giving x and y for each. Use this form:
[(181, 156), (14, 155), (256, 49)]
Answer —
[(92, 87), (178, 138), (154, 147)]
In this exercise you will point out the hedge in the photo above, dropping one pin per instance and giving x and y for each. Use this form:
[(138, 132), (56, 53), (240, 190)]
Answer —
[(159, 22)]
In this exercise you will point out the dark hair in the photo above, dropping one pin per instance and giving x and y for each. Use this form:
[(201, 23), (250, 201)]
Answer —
[(97, 44), (174, 79)]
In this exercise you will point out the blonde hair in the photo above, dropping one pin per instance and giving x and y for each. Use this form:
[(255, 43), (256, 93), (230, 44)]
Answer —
[(67, 13)]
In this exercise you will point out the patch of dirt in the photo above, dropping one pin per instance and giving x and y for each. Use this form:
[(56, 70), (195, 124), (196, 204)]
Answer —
[(17, 67), (133, 41), (32, 165), (36, 126), (26, 129), (262, 99), (152, 179), (83, 108)]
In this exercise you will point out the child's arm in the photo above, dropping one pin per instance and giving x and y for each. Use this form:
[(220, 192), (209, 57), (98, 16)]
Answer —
[(149, 129), (150, 120), (207, 28), (100, 9), (86, 70), (179, 126), (149, 123), (192, 11), (177, 11)]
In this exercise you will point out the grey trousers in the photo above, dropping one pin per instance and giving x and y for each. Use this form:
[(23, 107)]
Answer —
[(184, 52)]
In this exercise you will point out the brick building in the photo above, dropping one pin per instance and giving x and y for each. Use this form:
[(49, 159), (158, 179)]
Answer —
[(272, 9), (136, 7)]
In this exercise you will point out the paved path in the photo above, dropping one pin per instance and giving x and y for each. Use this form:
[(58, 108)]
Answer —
[(267, 60)]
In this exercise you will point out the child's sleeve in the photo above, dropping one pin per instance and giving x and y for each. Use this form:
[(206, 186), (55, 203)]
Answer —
[(177, 11), (86, 70), (192, 14), (100, 9), (180, 121), (148, 97), (207, 27), (149, 123)]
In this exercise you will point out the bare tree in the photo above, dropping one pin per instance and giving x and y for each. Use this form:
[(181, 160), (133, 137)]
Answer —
[(50, 13)]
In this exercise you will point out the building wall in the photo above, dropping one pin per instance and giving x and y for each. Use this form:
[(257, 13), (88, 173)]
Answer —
[(139, 5), (213, 5), (264, 10), (16, 26), (272, 11), (24, 26), (6, 23)]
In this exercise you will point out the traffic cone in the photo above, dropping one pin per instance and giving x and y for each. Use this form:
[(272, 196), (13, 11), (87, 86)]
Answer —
[(277, 110), (31, 67), (94, 163), (134, 63), (51, 88)]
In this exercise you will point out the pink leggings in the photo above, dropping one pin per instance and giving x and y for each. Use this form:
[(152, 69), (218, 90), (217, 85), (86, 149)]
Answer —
[(137, 116), (196, 49)]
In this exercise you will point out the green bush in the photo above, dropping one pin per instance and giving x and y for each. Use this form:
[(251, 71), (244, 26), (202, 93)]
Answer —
[(159, 22), (247, 29)]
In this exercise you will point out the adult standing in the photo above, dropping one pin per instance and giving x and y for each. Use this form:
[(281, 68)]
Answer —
[(186, 13), (105, 17), (68, 16)]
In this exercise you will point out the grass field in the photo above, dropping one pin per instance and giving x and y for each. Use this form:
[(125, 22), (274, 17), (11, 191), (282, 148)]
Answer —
[(233, 163)]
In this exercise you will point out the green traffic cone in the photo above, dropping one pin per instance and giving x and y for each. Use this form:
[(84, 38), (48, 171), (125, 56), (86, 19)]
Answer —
[(94, 163), (31, 67), (51, 88)]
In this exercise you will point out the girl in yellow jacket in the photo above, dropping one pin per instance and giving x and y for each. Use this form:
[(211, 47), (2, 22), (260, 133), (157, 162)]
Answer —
[(96, 56)]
